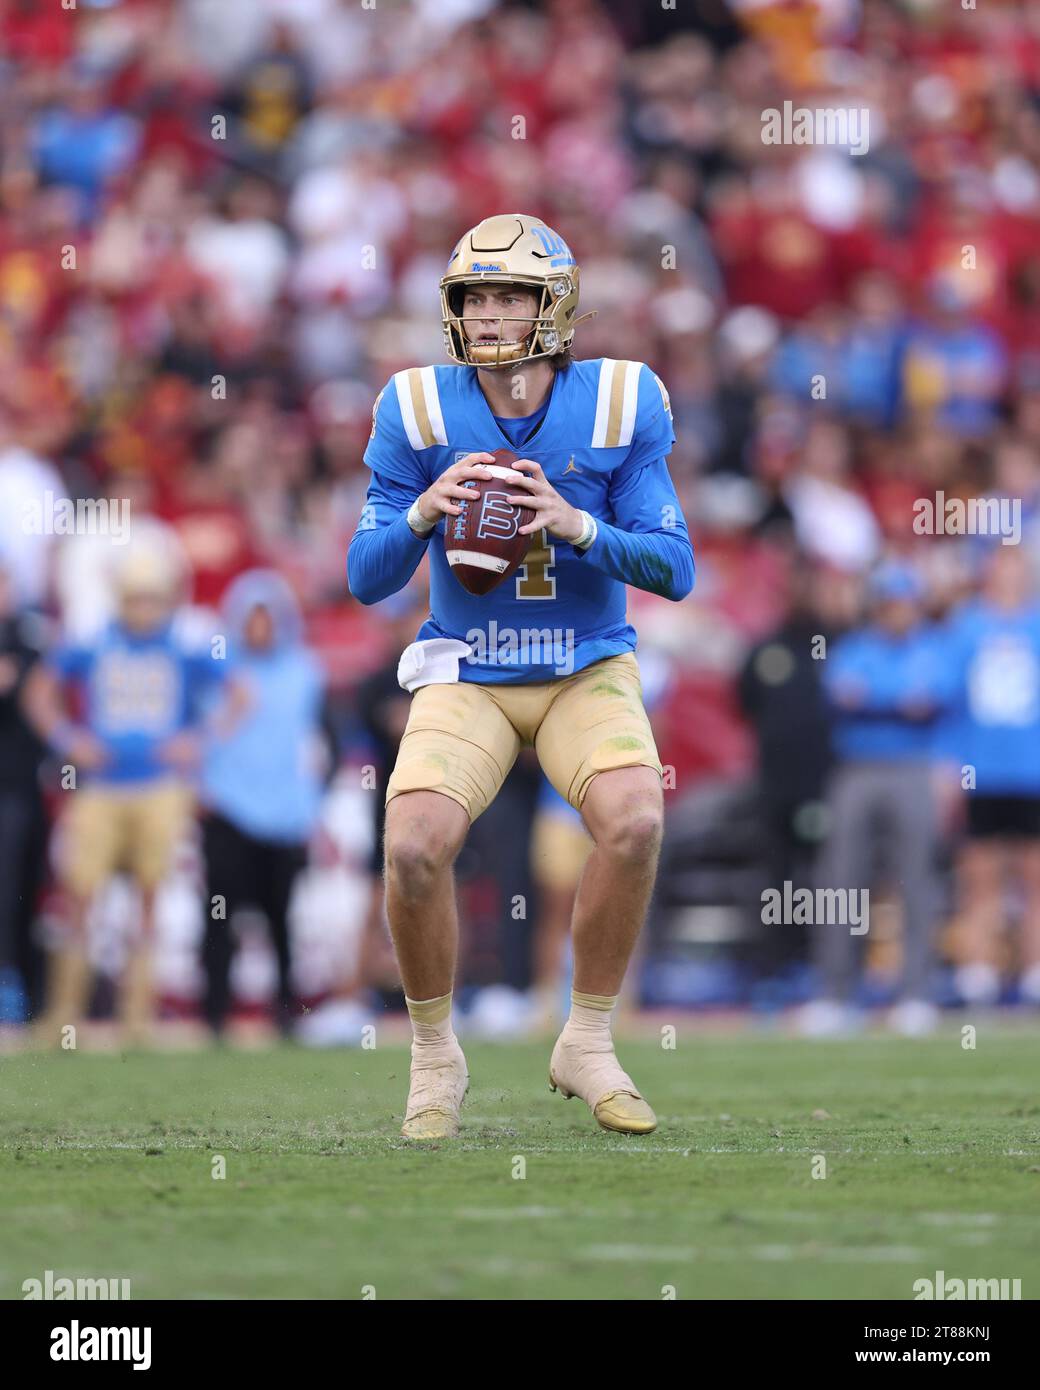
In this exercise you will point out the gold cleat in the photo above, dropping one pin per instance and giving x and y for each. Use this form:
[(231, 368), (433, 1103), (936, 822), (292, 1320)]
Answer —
[(431, 1124), (438, 1087), (627, 1113), (617, 1106)]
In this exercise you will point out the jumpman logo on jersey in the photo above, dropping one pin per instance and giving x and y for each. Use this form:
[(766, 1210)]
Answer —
[(572, 467)]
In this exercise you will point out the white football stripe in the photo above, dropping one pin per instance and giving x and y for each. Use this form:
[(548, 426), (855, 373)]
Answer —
[(628, 403), (509, 474), (477, 559), (433, 404), (404, 400), (606, 377)]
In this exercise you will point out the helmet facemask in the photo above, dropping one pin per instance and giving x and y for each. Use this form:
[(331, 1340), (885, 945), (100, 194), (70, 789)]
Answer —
[(540, 335)]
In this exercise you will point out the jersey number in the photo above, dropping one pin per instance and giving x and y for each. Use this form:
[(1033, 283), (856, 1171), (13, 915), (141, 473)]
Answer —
[(535, 578)]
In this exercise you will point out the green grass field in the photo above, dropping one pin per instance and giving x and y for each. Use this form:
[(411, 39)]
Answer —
[(932, 1156)]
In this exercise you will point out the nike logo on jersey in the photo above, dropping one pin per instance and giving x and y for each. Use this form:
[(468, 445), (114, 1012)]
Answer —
[(572, 467)]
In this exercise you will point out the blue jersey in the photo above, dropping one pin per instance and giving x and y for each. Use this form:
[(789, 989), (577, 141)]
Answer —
[(995, 727), (264, 775), (889, 693), (138, 692), (602, 444)]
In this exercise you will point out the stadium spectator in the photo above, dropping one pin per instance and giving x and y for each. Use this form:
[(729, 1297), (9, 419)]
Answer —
[(381, 711), (262, 784), (782, 695), (995, 744), (954, 368), (23, 820), (889, 684), (26, 478)]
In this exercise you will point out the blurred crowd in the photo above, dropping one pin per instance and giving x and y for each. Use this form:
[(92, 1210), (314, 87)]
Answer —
[(221, 230)]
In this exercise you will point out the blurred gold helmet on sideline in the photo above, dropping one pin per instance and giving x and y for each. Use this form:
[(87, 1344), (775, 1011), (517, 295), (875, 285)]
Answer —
[(154, 565), (512, 249)]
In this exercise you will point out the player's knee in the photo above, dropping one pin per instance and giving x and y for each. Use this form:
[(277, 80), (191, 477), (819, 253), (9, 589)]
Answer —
[(634, 835), (411, 868), (418, 848)]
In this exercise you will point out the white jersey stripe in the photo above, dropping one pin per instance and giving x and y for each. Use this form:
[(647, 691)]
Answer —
[(433, 404), (404, 400), (606, 377), (628, 405)]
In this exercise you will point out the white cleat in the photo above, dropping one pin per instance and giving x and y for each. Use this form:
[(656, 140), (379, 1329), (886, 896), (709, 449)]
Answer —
[(913, 1018), (499, 1014), (977, 983), (438, 1086), (826, 1018), (337, 1023), (1029, 985), (588, 1067)]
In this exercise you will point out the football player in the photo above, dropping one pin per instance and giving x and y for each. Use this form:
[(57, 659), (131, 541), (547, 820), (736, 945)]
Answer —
[(593, 438), (134, 750)]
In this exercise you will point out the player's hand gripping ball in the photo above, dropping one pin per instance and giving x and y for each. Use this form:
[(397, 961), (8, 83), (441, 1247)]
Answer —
[(483, 544)]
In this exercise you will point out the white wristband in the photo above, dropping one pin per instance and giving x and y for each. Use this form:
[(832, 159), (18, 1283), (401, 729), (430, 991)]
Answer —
[(417, 521), (588, 533)]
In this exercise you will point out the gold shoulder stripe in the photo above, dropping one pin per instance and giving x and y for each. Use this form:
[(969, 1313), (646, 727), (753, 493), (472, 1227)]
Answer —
[(422, 415), (613, 420)]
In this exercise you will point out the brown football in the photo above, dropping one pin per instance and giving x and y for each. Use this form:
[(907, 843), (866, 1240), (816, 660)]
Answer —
[(483, 544)]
